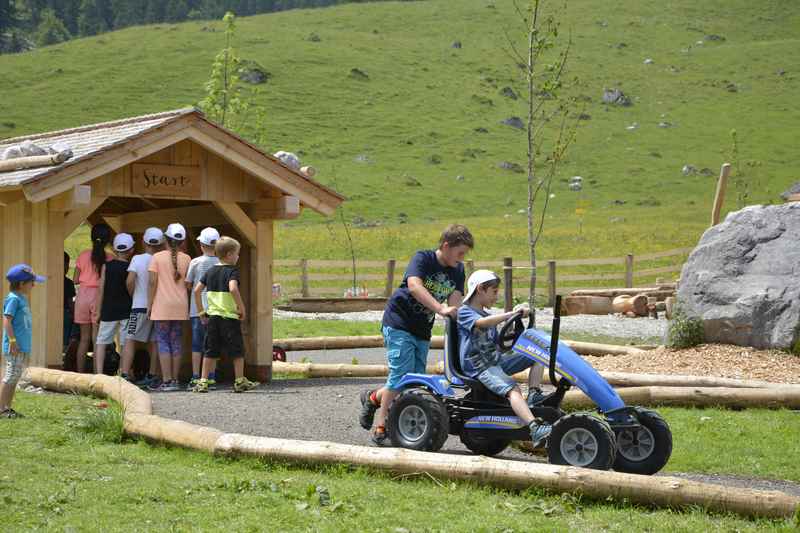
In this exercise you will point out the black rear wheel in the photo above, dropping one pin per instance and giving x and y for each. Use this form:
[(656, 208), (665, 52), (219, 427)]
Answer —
[(581, 439), (645, 450), (481, 445), (418, 421)]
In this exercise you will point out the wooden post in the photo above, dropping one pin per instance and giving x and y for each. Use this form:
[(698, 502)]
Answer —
[(390, 277), (259, 363), (304, 277), (551, 283), (629, 270), (508, 281), (470, 267), (719, 197)]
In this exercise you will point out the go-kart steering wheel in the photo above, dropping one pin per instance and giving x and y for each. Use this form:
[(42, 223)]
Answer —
[(510, 332)]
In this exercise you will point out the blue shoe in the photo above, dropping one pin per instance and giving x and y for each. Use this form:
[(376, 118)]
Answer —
[(539, 433), (535, 396)]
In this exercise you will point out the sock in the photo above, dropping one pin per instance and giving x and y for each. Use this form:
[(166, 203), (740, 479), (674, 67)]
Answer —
[(212, 376), (195, 376)]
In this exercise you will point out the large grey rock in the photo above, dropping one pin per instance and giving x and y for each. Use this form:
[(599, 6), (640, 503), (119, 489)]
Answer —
[(743, 278)]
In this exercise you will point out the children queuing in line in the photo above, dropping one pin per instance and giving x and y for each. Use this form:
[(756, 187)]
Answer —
[(145, 300)]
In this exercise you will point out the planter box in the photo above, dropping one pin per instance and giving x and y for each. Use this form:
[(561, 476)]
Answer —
[(334, 305)]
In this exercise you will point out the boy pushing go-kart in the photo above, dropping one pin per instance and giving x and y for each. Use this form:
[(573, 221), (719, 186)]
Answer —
[(433, 284)]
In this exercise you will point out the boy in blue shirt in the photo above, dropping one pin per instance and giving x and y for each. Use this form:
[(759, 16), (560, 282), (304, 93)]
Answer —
[(17, 333), (432, 285), (480, 358)]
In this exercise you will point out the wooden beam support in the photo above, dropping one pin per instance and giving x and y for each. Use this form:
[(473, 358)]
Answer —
[(76, 217), (109, 161), (239, 219), (260, 357), (283, 208), (9, 197), (47, 301), (193, 216), (79, 196)]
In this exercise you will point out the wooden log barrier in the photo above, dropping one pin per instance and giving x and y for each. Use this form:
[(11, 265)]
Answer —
[(437, 342), (663, 491)]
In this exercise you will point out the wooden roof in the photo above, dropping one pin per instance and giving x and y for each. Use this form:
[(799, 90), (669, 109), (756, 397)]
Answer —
[(101, 148)]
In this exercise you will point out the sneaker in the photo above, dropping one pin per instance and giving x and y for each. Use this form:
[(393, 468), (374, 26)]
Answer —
[(539, 432), (169, 386), (10, 413), (378, 437), (367, 415), (535, 396), (212, 384), (192, 384), (243, 384), (201, 386)]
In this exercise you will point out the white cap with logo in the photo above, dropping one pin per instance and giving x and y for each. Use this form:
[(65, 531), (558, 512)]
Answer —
[(209, 236), (123, 242), (153, 236), (176, 232), (477, 278)]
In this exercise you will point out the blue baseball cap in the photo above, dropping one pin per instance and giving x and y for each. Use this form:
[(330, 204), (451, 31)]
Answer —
[(22, 273)]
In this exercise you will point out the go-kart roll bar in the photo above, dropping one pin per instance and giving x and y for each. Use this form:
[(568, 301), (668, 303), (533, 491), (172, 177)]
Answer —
[(554, 339)]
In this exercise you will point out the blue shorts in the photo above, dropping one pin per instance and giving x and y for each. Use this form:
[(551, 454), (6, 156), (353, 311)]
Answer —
[(406, 353), (198, 334), (498, 378)]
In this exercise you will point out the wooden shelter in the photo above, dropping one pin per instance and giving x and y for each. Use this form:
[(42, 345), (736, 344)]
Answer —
[(146, 171)]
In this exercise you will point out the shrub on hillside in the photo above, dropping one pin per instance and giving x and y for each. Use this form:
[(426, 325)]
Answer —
[(684, 331)]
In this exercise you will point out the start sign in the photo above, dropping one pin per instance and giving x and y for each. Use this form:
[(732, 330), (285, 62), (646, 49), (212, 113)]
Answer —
[(166, 180)]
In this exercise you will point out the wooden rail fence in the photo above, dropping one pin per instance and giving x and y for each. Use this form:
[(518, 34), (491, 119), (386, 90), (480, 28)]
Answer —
[(312, 277)]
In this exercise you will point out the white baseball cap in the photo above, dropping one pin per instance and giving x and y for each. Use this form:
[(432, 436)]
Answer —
[(209, 236), (477, 278), (176, 232), (123, 242), (153, 236)]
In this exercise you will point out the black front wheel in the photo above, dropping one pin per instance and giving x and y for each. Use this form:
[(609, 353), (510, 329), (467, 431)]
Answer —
[(418, 421), (581, 439), (644, 450)]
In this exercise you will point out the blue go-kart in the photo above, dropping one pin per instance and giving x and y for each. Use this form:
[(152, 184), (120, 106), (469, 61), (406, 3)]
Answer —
[(429, 408)]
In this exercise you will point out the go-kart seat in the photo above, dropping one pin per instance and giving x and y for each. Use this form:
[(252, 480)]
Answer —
[(452, 357)]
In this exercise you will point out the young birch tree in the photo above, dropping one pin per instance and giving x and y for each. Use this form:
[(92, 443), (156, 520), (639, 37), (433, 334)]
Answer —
[(545, 107)]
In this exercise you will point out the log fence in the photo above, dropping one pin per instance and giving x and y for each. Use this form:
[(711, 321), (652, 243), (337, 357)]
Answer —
[(312, 277)]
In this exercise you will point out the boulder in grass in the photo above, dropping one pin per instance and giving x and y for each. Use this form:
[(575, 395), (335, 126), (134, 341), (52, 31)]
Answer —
[(514, 122), (791, 193), (743, 279)]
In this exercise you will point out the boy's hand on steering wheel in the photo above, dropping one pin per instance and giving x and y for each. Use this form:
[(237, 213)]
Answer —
[(522, 308), (447, 310)]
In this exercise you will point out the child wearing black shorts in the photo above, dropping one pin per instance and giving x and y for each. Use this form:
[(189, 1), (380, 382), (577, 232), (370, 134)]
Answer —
[(223, 315)]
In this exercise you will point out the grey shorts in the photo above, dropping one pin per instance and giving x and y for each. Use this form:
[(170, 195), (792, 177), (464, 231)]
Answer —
[(15, 367), (140, 328), (498, 378), (108, 330)]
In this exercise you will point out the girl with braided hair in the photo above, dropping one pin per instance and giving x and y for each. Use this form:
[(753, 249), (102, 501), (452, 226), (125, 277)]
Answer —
[(169, 304), (88, 267)]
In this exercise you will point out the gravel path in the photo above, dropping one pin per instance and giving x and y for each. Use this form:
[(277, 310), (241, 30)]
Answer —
[(610, 325), (327, 410)]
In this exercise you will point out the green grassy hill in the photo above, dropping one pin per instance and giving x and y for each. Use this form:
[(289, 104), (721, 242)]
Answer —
[(395, 143)]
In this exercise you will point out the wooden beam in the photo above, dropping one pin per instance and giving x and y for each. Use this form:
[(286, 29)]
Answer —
[(260, 359), (267, 170), (283, 208), (719, 196), (47, 305), (239, 219), (114, 158), (77, 197), (9, 197), (192, 216), (76, 217)]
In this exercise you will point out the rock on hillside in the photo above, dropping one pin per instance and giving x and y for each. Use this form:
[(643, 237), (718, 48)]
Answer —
[(743, 278)]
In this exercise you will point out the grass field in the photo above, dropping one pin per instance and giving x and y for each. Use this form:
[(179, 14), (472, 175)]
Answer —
[(394, 143), (62, 469)]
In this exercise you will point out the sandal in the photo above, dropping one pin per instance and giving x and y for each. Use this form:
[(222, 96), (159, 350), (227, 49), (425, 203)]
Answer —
[(378, 436)]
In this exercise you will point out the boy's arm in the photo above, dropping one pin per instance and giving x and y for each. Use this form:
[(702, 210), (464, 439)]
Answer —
[(151, 292), (421, 294), (493, 320), (12, 344), (98, 304), (233, 287), (455, 299), (197, 293), (130, 283)]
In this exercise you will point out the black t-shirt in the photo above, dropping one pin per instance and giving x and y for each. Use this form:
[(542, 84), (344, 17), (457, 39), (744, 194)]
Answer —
[(403, 311), (69, 292), (116, 300), (217, 283)]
